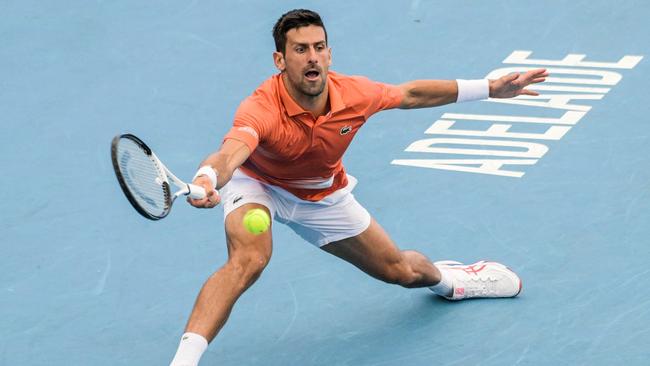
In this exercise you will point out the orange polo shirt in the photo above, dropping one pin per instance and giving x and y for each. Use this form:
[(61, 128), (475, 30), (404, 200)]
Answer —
[(297, 152)]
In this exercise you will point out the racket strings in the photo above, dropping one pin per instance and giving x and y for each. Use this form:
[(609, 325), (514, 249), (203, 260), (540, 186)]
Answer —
[(143, 178)]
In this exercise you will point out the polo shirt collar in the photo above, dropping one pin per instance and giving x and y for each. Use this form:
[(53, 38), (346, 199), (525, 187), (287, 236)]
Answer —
[(294, 109)]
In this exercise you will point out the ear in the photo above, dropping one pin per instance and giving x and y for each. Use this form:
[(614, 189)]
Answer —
[(329, 61), (278, 59)]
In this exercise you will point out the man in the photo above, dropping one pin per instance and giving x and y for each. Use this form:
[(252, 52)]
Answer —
[(283, 155)]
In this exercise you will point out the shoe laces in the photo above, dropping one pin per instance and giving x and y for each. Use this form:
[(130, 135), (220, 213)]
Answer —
[(477, 286)]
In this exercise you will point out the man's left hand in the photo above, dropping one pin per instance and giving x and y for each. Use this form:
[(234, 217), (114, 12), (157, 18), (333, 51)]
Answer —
[(509, 86)]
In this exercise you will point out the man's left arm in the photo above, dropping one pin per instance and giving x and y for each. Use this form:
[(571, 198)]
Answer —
[(432, 93)]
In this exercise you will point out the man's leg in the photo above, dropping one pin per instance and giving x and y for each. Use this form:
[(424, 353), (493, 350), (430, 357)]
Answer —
[(374, 252), (248, 255)]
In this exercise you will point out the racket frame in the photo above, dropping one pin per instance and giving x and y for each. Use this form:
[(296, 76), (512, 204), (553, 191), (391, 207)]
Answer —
[(164, 174)]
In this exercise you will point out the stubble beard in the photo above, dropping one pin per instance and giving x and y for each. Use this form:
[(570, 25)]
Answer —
[(309, 89), (312, 90)]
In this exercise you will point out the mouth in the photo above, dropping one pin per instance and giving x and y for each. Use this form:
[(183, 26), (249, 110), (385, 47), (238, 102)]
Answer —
[(312, 75)]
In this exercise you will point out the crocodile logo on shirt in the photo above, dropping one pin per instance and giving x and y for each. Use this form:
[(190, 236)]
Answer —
[(345, 130)]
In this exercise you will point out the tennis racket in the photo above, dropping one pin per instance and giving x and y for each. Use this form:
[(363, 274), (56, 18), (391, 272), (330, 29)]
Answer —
[(145, 181)]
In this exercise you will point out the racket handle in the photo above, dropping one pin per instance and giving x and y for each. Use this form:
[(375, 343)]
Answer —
[(196, 192)]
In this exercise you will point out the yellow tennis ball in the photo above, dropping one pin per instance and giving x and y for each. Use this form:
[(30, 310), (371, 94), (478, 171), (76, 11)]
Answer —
[(256, 221)]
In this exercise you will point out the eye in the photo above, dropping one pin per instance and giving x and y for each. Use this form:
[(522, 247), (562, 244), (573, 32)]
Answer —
[(300, 49)]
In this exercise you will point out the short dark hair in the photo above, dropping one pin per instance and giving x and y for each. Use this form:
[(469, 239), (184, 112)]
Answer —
[(295, 18)]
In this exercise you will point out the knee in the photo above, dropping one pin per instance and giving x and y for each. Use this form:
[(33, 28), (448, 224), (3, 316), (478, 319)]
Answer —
[(399, 272), (247, 260), (247, 257), (248, 267)]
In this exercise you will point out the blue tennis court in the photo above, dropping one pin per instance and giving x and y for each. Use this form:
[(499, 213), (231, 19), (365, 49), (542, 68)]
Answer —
[(557, 186)]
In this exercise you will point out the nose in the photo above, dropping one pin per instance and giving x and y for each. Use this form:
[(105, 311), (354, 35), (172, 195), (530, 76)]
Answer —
[(311, 56)]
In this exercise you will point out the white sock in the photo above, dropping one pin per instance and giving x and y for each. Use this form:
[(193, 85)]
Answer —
[(445, 286), (190, 350)]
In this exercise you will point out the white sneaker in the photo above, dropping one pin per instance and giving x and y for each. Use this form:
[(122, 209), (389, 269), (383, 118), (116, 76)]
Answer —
[(481, 279)]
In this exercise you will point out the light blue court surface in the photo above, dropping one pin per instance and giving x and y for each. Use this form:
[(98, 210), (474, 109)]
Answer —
[(84, 280)]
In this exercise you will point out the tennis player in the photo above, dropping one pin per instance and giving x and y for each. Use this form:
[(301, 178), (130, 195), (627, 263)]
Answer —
[(283, 155)]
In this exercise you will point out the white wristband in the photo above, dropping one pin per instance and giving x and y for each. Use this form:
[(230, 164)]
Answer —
[(209, 172), (469, 90)]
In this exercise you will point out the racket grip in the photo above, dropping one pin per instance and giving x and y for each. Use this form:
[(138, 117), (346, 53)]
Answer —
[(196, 192)]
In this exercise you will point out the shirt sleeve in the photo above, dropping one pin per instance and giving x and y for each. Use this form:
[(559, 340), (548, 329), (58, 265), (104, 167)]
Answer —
[(249, 124), (379, 96)]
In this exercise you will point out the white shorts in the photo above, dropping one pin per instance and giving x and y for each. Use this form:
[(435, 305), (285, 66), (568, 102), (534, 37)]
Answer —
[(335, 217)]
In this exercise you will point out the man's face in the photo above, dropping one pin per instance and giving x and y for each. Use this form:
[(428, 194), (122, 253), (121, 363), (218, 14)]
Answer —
[(306, 60)]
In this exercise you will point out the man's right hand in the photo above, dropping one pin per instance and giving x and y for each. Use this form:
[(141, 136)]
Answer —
[(212, 197)]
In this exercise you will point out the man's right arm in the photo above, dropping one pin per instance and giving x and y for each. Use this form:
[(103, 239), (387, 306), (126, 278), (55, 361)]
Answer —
[(229, 157)]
